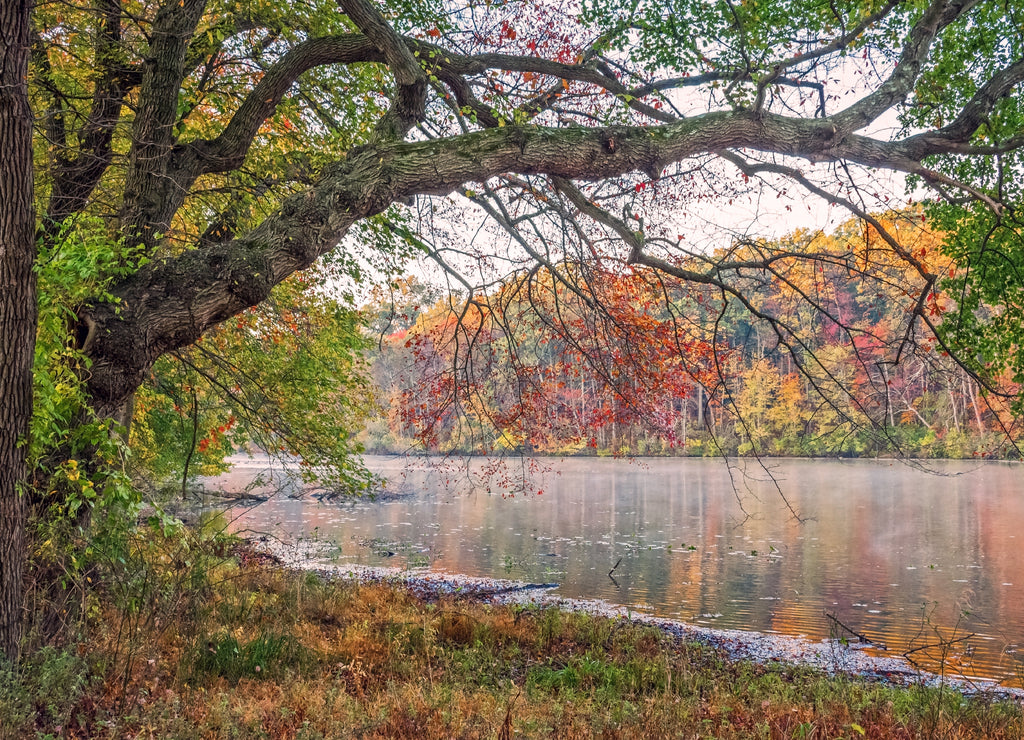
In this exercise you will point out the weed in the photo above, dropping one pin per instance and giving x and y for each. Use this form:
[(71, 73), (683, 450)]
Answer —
[(275, 654), (44, 689), (263, 657)]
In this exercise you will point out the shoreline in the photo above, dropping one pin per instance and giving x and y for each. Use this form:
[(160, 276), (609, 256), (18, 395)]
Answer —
[(831, 656)]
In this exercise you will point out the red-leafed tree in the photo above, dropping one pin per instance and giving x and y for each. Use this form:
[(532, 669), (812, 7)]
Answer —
[(539, 366)]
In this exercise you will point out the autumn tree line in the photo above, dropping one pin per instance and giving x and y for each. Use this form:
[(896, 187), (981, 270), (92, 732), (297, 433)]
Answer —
[(677, 369)]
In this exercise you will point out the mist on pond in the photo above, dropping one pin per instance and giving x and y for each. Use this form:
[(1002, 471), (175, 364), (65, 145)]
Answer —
[(922, 563)]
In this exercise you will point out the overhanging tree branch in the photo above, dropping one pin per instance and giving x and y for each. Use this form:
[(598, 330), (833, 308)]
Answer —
[(938, 15)]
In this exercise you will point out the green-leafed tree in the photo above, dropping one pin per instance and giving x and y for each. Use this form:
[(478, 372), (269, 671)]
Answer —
[(226, 147), (286, 377)]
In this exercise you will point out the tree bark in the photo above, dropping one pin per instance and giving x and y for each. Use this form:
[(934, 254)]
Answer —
[(77, 175), (17, 310), (147, 180)]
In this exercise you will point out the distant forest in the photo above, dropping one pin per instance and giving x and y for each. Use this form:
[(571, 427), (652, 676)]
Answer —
[(813, 357)]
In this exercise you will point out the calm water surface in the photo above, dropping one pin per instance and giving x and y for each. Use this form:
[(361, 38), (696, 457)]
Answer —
[(905, 557)]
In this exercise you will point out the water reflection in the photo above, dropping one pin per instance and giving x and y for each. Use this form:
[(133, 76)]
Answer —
[(905, 557)]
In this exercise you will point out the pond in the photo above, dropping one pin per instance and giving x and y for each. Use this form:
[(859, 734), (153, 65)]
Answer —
[(926, 563)]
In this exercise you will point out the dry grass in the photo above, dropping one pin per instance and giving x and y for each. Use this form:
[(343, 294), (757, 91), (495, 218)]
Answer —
[(266, 653)]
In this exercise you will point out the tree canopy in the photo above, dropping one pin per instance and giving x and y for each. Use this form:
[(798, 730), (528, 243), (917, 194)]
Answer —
[(162, 115), (218, 148)]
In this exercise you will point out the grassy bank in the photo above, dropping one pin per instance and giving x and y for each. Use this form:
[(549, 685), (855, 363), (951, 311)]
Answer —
[(230, 647)]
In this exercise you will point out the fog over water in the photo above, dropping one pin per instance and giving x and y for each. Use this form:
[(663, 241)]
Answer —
[(905, 557)]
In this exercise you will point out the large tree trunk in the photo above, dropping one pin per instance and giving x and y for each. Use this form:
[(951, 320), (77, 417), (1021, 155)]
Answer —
[(17, 309)]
